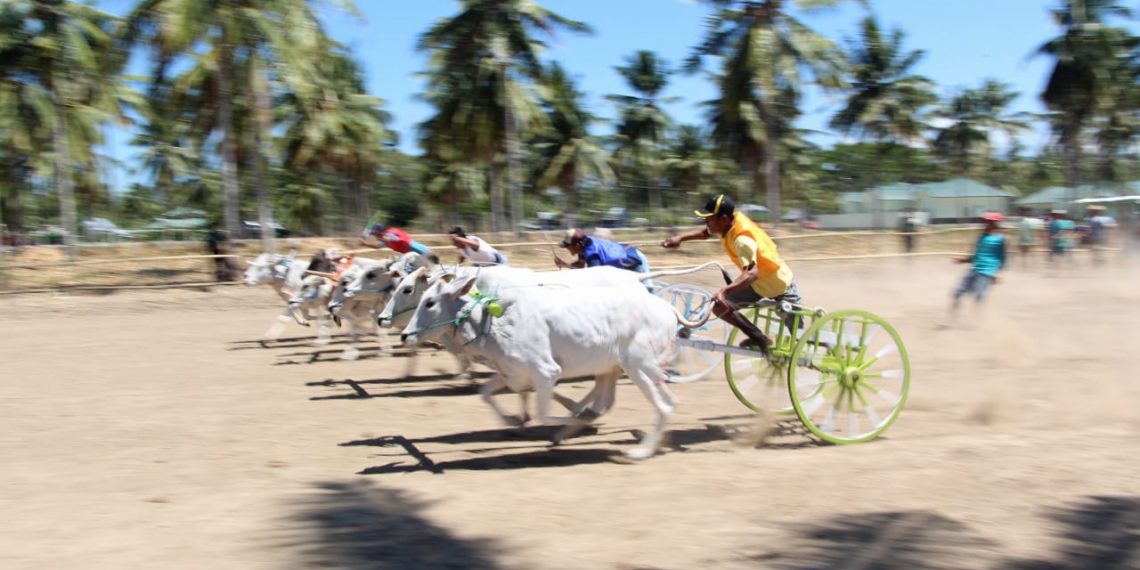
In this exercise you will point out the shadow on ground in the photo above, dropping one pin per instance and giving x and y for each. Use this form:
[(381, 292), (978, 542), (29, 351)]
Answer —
[(902, 540), (1097, 532), (363, 525)]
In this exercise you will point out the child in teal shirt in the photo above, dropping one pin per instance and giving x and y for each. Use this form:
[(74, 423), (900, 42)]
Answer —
[(988, 259)]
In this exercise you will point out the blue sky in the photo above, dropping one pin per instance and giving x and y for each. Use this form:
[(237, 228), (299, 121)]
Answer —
[(965, 42)]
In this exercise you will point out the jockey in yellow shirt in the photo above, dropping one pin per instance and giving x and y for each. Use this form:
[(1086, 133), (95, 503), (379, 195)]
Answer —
[(763, 274)]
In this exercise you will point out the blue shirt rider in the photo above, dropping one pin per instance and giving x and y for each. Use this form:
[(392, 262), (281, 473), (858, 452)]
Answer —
[(595, 251)]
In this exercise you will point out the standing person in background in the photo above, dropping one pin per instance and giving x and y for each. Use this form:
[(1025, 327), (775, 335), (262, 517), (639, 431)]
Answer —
[(1100, 224), (908, 227), (474, 249), (1028, 233), (215, 240), (988, 259), (1060, 234)]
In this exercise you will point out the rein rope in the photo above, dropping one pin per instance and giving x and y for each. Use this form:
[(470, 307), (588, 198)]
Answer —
[(477, 300)]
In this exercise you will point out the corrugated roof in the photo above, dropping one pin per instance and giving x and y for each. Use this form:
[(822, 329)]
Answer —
[(898, 191), (962, 188), (1060, 194)]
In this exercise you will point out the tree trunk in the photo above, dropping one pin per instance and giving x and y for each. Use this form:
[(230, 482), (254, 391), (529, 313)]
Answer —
[(655, 205), (494, 185), (13, 213), (771, 165), (512, 167), (230, 211), (260, 83), (64, 180), (1073, 158)]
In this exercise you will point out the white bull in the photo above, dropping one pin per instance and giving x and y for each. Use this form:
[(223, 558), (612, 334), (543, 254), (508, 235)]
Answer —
[(408, 290), (284, 275), (313, 297), (360, 312), (548, 333)]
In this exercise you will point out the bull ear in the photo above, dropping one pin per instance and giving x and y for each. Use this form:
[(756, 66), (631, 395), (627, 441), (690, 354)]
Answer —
[(420, 274), (462, 286)]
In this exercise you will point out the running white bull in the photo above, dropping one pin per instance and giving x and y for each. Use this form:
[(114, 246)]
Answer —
[(313, 297), (283, 274), (359, 311), (548, 333), (408, 290)]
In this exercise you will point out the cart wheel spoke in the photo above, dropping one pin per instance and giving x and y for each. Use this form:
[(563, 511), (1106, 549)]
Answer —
[(858, 366)]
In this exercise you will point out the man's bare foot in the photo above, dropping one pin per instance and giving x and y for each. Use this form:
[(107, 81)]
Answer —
[(762, 344)]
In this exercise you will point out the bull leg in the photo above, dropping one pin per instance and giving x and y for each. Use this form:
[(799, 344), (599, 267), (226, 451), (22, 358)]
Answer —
[(351, 352), (544, 395), (651, 381), (275, 330), (323, 336), (461, 358), (596, 403), (605, 392), (413, 358), (494, 386)]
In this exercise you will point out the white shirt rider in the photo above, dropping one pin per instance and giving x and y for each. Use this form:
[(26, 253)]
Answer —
[(475, 249)]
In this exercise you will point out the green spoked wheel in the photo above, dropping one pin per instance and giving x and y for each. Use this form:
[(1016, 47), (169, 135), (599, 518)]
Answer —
[(852, 377), (761, 383), (690, 364)]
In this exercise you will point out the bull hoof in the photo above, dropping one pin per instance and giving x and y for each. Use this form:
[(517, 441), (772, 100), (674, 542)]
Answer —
[(588, 415), (516, 421), (640, 453)]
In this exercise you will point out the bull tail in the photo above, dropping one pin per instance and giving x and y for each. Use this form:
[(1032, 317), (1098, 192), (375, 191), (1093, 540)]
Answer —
[(681, 320)]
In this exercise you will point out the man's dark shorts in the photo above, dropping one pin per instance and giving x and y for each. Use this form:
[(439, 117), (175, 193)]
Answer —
[(749, 296)]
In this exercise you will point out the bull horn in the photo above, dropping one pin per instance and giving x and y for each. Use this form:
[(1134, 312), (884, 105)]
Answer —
[(249, 262), (320, 274)]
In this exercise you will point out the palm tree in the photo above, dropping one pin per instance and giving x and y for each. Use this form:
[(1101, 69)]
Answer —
[(765, 51), (244, 37), (689, 164), (453, 185), (330, 123), (482, 62), (26, 113), (76, 61), (643, 124), (1087, 67), (566, 152), (886, 99), (971, 117)]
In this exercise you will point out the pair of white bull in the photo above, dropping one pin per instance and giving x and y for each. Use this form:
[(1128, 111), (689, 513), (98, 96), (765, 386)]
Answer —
[(535, 328), (308, 293)]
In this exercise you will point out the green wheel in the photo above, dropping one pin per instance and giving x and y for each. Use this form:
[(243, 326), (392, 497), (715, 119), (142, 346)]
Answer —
[(852, 377), (761, 383), (689, 364)]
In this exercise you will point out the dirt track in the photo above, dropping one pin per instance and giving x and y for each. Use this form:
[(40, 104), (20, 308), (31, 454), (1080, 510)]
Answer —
[(146, 430)]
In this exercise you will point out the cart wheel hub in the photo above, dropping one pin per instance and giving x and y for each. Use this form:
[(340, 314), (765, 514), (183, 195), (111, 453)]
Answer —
[(850, 377)]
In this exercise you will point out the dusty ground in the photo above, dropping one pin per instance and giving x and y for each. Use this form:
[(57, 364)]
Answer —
[(148, 430)]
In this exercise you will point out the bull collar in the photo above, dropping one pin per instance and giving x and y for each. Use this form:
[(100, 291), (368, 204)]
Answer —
[(477, 300)]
